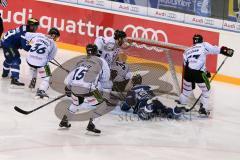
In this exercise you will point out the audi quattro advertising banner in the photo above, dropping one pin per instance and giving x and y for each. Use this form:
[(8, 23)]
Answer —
[(80, 26)]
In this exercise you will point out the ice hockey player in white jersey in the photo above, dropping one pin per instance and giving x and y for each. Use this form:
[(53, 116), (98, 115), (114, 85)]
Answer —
[(43, 49), (195, 71), (91, 74), (109, 47)]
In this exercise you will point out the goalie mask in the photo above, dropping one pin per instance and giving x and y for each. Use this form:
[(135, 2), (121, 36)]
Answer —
[(119, 36), (197, 38), (137, 79), (92, 50)]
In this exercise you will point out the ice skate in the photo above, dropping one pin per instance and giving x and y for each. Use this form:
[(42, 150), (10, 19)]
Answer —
[(32, 83), (64, 122), (16, 84), (91, 127), (203, 111), (41, 94), (5, 75)]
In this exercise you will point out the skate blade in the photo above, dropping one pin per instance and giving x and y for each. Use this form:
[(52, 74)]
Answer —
[(37, 97), (32, 89), (90, 133), (63, 128), (5, 78), (209, 115), (45, 98), (16, 87)]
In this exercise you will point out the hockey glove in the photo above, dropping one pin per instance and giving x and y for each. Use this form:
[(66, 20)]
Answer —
[(226, 51), (208, 74), (68, 91)]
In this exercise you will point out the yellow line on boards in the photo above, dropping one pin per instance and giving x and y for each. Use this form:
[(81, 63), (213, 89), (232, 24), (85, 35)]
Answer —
[(228, 79), (71, 47)]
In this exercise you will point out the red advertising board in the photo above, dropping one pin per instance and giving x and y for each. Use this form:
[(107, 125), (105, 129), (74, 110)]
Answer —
[(81, 26)]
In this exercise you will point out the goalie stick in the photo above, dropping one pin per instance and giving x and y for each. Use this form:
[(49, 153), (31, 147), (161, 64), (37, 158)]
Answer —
[(28, 112), (188, 110)]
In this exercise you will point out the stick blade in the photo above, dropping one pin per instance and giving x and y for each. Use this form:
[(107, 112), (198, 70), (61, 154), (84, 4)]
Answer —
[(21, 111)]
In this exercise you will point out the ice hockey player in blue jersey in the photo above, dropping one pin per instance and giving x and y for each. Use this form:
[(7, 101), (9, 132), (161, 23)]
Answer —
[(143, 102), (11, 43)]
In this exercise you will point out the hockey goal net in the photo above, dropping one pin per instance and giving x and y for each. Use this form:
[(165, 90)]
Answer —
[(159, 63)]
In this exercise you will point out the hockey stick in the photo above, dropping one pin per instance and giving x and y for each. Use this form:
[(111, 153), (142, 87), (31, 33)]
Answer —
[(57, 62), (60, 66), (28, 112), (188, 110)]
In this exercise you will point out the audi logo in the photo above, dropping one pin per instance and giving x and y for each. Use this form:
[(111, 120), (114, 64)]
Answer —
[(140, 32), (134, 9), (209, 21), (171, 15)]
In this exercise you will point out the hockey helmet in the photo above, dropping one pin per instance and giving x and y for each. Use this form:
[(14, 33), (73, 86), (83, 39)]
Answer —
[(137, 79), (119, 36), (32, 24), (54, 33), (32, 21), (92, 50), (197, 38)]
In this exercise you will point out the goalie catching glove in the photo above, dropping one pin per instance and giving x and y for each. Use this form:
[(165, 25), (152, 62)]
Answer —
[(226, 51)]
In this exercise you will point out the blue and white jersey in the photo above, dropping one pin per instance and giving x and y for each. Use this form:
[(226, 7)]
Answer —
[(13, 38)]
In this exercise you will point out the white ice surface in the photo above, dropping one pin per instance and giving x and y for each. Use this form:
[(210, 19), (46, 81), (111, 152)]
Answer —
[(38, 137)]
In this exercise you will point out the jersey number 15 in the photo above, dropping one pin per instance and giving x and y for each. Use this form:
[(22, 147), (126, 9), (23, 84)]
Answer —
[(79, 74)]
